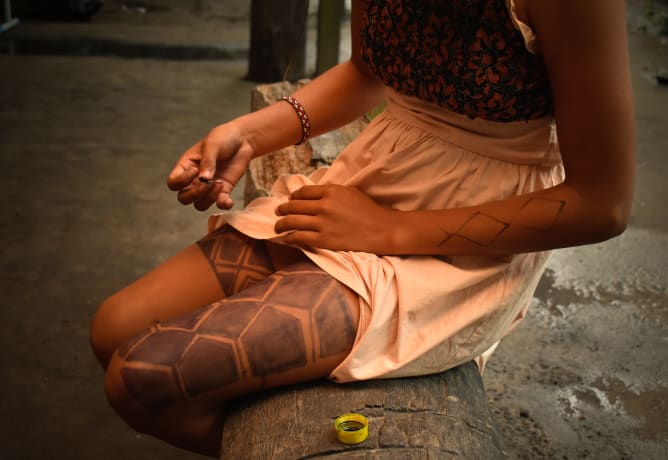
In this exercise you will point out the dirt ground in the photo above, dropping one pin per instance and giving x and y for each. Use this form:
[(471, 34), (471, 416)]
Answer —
[(584, 376)]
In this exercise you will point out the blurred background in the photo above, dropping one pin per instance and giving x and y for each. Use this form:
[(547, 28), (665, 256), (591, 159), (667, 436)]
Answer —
[(98, 100)]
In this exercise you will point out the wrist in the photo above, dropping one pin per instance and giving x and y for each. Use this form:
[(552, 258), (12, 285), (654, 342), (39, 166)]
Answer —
[(413, 233), (399, 233), (271, 128), (243, 129)]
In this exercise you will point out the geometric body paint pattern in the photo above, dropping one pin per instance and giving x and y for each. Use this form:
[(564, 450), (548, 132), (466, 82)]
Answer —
[(238, 260), (288, 320), (537, 214)]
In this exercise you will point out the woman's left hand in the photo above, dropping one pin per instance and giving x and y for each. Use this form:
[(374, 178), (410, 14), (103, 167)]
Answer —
[(336, 217)]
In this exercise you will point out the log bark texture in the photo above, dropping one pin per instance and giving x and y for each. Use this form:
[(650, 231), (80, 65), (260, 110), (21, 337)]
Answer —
[(442, 416)]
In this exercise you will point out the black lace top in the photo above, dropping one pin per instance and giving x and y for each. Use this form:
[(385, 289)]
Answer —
[(465, 55)]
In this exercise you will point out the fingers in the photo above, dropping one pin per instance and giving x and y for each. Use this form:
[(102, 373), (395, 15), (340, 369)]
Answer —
[(219, 161), (180, 177), (198, 193), (191, 166), (203, 195), (297, 223), (303, 239), (224, 200), (208, 196), (215, 149), (312, 192), (223, 197), (209, 151), (186, 169), (308, 200), (189, 193), (306, 207)]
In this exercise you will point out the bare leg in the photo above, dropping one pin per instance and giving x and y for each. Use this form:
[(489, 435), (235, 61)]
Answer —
[(170, 381), (219, 265)]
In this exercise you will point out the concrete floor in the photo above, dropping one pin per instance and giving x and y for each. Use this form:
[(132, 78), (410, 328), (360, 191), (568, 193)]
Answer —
[(585, 376)]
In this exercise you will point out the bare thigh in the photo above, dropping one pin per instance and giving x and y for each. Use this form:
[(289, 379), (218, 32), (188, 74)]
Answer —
[(219, 265), (297, 324)]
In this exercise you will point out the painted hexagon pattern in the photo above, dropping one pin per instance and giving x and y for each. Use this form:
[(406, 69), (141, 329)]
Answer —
[(297, 291), (220, 366), (274, 343), (163, 346), (155, 388), (336, 331), (289, 320)]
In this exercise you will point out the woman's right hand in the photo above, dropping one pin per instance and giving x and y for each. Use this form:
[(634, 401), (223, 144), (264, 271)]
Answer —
[(222, 155)]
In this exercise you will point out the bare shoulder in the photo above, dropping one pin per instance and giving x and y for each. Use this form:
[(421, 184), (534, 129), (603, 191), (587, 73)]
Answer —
[(572, 21), (584, 46)]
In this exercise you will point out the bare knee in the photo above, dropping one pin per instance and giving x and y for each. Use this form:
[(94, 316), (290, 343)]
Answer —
[(117, 386), (100, 334), (147, 397), (111, 327)]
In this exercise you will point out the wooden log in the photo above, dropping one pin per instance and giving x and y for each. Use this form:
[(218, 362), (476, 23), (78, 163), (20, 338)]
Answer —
[(440, 416)]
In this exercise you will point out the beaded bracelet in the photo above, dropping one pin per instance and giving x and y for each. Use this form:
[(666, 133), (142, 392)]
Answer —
[(303, 117)]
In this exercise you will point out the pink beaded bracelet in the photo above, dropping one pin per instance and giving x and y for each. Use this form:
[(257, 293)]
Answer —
[(303, 117)]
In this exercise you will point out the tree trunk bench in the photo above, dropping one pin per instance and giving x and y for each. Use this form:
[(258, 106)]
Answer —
[(439, 416)]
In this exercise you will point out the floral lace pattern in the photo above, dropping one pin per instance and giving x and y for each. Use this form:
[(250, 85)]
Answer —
[(465, 55)]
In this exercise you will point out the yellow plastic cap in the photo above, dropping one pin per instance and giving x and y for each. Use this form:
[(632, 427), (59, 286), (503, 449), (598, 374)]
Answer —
[(351, 428)]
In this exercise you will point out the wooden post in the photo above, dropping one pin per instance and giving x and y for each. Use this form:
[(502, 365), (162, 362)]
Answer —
[(330, 13), (278, 40)]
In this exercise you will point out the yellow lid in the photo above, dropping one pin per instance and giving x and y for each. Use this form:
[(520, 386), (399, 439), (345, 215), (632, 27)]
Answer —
[(351, 428)]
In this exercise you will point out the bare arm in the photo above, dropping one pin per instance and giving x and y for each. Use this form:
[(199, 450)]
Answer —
[(337, 97), (584, 46)]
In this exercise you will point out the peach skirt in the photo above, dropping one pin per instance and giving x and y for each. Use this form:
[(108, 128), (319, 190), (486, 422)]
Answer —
[(420, 314)]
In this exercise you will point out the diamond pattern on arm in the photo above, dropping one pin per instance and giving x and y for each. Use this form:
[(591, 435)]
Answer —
[(533, 214), (480, 229)]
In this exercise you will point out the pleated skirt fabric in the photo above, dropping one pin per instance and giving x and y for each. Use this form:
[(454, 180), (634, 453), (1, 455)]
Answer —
[(422, 314)]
